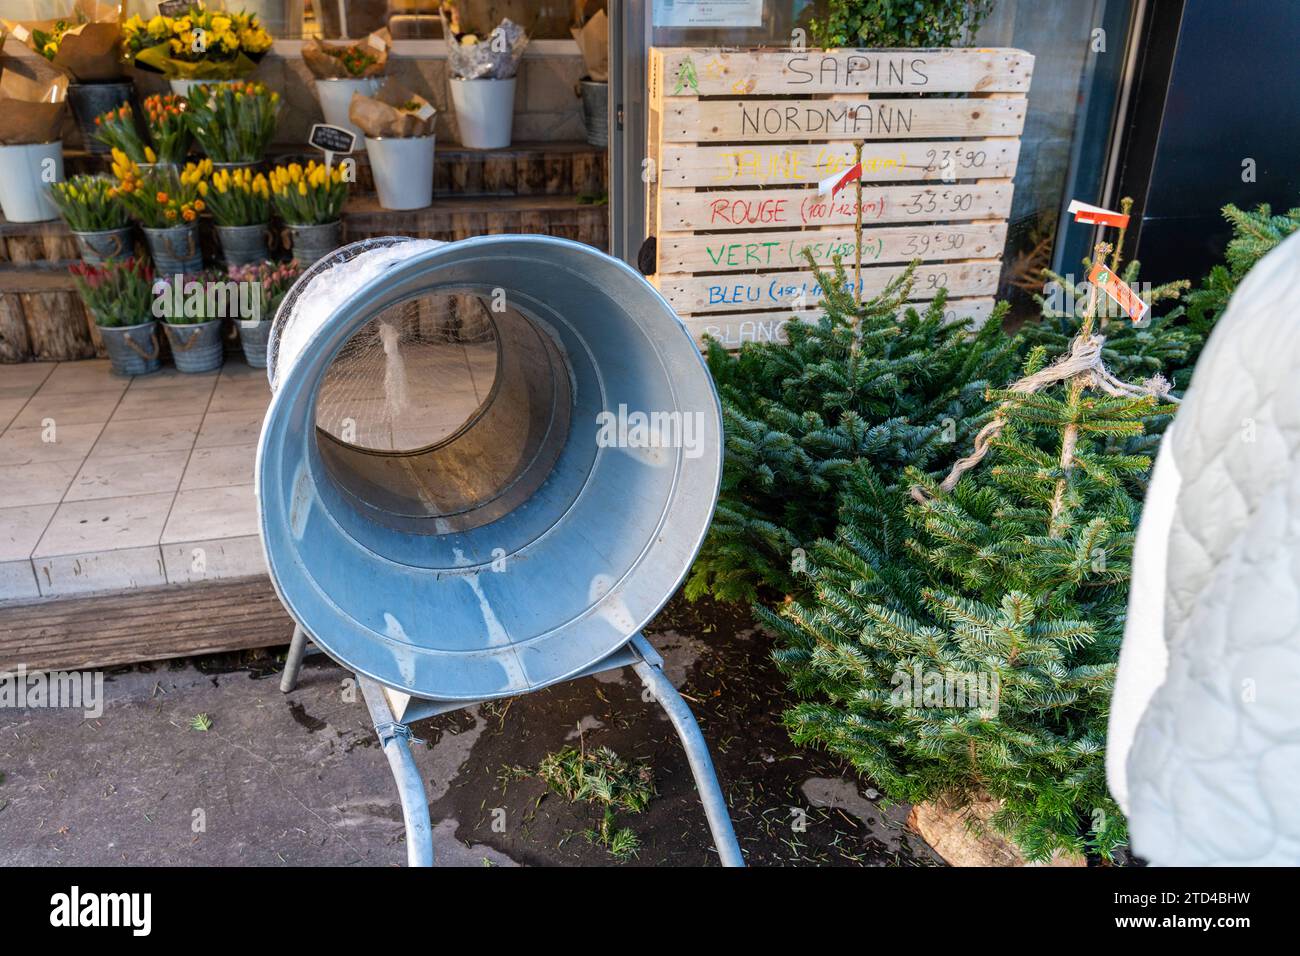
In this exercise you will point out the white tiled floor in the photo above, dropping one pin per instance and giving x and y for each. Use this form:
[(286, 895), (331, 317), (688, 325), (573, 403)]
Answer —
[(109, 483)]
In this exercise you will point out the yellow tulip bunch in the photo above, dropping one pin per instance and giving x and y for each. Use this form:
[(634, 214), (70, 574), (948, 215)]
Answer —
[(198, 36), (308, 195), (240, 197), (161, 197), (88, 203)]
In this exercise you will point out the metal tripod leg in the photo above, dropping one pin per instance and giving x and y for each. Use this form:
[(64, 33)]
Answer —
[(697, 751), (396, 740), (293, 661)]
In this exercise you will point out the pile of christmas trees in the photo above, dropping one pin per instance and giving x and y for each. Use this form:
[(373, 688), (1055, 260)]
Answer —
[(944, 556)]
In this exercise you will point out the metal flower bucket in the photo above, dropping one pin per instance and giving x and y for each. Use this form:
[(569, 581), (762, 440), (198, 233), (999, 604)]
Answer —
[(243, 245), (175, 249), (89, 100), (315, 242), (253, 337), (595, 112), (196, 347), (104, 244), (132, 349)]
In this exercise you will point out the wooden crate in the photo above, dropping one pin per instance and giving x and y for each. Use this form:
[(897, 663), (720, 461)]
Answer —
[(738, 141)]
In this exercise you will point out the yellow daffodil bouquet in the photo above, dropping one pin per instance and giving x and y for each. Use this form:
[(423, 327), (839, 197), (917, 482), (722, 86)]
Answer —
[(239, 197), (308, 195), (200, 44)]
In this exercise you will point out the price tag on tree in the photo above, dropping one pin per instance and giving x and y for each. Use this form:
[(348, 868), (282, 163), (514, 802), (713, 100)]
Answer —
[(1104, 278)]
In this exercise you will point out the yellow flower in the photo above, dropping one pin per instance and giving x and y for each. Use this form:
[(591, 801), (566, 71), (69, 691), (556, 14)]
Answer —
[(150, 155), (220, 24), (302, 189), (157, 26)]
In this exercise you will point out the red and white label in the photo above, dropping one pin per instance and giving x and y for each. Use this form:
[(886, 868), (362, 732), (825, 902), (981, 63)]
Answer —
[(834, 183), (1103, 277), (1083, 212)]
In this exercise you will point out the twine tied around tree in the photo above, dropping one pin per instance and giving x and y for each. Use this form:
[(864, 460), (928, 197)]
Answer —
[(1083, 366)]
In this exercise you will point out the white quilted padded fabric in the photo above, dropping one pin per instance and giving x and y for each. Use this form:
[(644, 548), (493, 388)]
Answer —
[(1213, 767)]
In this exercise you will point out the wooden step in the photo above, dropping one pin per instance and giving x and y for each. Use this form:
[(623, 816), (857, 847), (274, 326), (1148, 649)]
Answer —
[(42, 316), (145, 624), (523, 169)]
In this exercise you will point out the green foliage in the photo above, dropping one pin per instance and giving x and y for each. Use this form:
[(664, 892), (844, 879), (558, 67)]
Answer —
[(1012, 588), (1162, 344), (1254, 235), (604, 778), (896, 23), (860, 384)]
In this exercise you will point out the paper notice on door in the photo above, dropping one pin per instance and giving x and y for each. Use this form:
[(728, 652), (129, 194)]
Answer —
[(708, 13)]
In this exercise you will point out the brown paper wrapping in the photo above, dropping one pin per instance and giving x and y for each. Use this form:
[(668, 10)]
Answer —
[(90, 52), (324, 66), (593, 40), (383, 115), (32, 96)]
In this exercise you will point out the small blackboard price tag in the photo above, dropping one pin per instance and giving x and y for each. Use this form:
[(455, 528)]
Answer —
[(173, 8), (332, 139)]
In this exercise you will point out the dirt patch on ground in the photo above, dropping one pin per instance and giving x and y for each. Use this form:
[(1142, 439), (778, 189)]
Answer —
[(791, 806)]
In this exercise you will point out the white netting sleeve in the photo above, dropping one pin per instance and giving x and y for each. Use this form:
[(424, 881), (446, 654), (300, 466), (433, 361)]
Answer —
[(406, 379)]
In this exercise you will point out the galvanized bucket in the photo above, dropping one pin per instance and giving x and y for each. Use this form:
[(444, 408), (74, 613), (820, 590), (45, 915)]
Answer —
[(100, 246), (314, 242), (175, 249), (595, 112), (132, 349), (253, 164), (89, 100), (197, 347), (243, 245), (253, 337)]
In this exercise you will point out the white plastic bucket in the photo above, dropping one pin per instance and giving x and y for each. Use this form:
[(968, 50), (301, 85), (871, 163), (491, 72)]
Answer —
[(403, 170), (336, 98), (26, 174), (182, 87), (485, 112)]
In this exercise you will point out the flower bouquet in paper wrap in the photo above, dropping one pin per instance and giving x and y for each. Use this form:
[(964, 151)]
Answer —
[(365, 58), (32, 94), (200, 44), (86, 44), (472, 55), (398, 127), (343, 69), (483, 71)]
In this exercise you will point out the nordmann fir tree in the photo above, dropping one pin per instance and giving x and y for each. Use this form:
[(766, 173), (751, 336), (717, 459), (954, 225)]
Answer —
[(1160, 345), (962, 639), (1254, 235), (860, 384)]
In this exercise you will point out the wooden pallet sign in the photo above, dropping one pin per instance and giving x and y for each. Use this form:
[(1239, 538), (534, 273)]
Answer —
[(739, 139)]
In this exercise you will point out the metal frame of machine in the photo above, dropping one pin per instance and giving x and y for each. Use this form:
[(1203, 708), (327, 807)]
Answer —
[(393, 718)]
